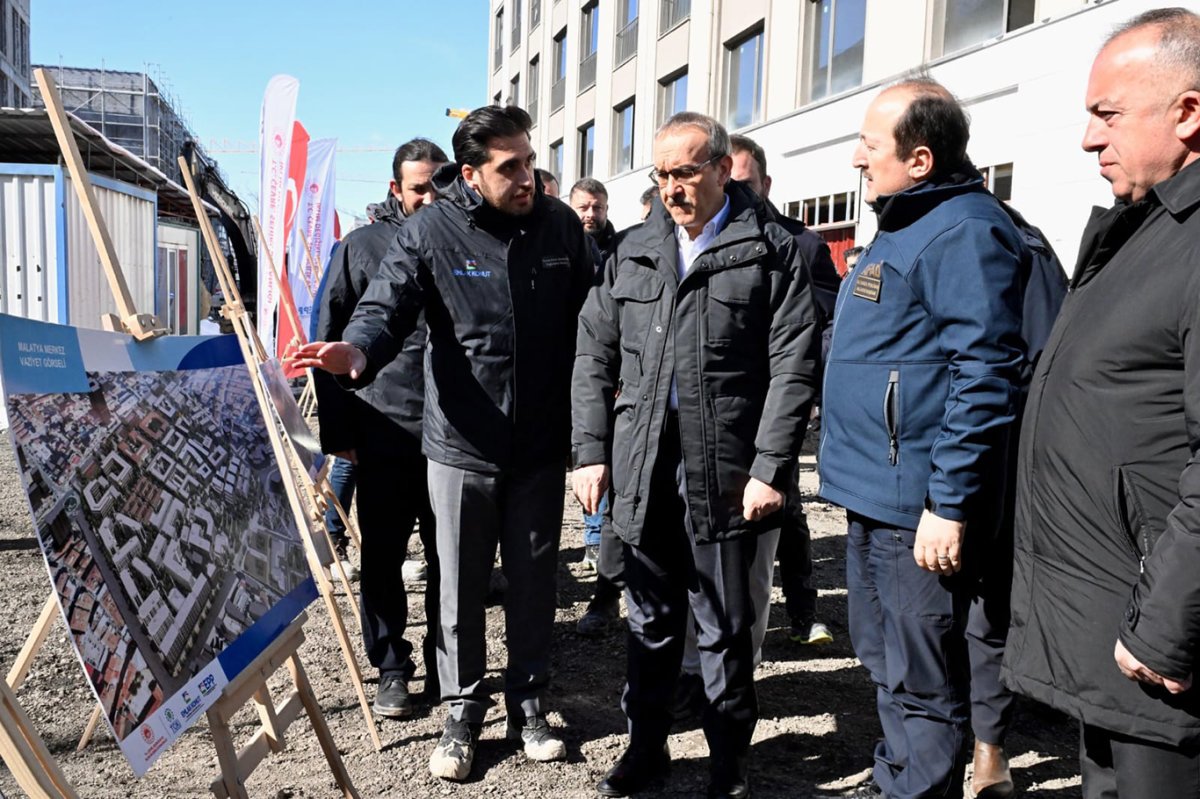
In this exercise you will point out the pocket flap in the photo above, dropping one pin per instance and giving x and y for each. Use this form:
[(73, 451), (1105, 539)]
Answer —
[(637, 285)]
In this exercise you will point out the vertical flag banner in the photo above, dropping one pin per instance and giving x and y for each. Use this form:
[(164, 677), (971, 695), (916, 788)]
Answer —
[(275, 140), (315, 219)]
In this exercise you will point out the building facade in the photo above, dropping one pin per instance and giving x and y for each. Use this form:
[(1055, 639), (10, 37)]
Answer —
[(14, 54), (599, 76)]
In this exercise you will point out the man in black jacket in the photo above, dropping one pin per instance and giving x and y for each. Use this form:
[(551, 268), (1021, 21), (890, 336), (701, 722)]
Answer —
[(693, 378), (1108, 484), (795, 540), (378, 429), (500, 272)]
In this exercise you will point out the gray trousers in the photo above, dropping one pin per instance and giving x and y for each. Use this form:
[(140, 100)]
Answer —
[(522, 512)]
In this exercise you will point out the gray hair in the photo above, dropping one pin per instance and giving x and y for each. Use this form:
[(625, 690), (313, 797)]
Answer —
[(718, 137), (1178, 40)]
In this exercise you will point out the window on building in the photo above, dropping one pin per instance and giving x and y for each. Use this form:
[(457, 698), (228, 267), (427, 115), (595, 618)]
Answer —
[(836, 31), (968, 22), (514, 91), (25, 53), (587, 149), (498, 41), (744, 81), (831, 209), (3, 36), (589, 42), (672, 96), (558, 89), (3, 90), (535, 13), (496, 99), (999, 179), (556, 159), (623, 138), (535, 79), (673, 12), (627, 31), (516, 25)]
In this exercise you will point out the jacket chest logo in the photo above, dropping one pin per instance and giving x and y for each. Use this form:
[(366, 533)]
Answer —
[(869, 282), (469, 269)]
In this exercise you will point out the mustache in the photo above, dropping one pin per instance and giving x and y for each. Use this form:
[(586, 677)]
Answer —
[(673, 203)]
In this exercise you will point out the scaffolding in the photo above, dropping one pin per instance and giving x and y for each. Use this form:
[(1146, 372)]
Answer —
[(129, 109)]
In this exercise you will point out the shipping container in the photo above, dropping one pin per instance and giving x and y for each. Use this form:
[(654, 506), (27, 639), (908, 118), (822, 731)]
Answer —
[(51, 269)]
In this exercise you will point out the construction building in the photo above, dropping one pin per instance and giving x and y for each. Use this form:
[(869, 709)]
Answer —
[(599, 76), (14, 54)]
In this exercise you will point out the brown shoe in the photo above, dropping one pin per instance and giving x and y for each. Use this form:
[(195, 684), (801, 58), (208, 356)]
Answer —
[(992, 778)]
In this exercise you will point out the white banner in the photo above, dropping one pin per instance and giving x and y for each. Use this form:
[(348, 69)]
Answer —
[(274, 145), (315, 218)]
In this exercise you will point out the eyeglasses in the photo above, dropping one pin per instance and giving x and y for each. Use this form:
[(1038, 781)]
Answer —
[(682, 174)]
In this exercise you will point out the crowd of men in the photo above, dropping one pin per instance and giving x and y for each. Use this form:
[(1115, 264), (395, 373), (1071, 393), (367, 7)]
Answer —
[(482, 329)]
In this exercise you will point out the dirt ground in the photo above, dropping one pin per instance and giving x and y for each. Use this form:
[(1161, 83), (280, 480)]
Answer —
[(814, 738)]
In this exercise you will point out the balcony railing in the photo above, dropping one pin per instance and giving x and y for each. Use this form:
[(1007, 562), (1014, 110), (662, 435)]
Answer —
[(497, 57), (558, 94), (516, 34), (535, 13), (587, 73), (673, 12), (532, 107), (627, 42)]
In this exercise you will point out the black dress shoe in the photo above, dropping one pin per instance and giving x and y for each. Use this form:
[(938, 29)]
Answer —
[(636, 770)]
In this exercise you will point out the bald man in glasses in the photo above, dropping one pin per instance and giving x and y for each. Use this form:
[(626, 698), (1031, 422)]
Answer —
[(694, 374)]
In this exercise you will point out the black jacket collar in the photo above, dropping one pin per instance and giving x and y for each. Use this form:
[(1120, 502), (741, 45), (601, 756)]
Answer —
[(1180, 193)]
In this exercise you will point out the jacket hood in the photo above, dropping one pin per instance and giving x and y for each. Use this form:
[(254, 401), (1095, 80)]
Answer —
[(390, 210), (899, 210), (449, 185)]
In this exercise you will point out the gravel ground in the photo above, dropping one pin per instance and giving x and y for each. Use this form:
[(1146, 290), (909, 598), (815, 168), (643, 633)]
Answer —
[(814, 738)]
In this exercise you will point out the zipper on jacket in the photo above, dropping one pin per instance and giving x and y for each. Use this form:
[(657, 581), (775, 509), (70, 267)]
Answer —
[(891, 415)]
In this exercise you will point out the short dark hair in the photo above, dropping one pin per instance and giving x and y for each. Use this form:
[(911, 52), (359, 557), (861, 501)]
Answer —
[(483, 125), (546, 175), (744, 144), (591, 186), (416, 150), (648, 195), (934, 119)]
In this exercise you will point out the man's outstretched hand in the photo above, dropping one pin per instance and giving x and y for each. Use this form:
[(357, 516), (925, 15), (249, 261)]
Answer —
[(335, 357)]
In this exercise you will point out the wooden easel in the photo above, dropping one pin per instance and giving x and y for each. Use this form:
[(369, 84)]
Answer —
[(252, 681), (32, 766), (254, 354)]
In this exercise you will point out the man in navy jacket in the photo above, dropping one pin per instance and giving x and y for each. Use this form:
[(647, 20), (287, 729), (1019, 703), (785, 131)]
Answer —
[(919, 395)]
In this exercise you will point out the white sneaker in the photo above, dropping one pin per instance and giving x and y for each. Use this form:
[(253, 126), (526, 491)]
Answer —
[(541, 740), (452, 757), (413, 571)]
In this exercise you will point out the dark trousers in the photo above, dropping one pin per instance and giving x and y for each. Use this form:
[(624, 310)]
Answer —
[(1116, 766), (522, 511), (907, 627), (666, 574), (341, 481), (987, 633), (795, 562), (610, 571), (392, 495)]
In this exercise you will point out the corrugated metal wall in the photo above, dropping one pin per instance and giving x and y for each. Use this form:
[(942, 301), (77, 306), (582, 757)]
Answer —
[(131, 224), (28, 246)]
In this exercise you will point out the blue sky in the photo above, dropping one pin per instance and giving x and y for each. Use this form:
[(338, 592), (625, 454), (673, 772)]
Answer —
[(372, 75)]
